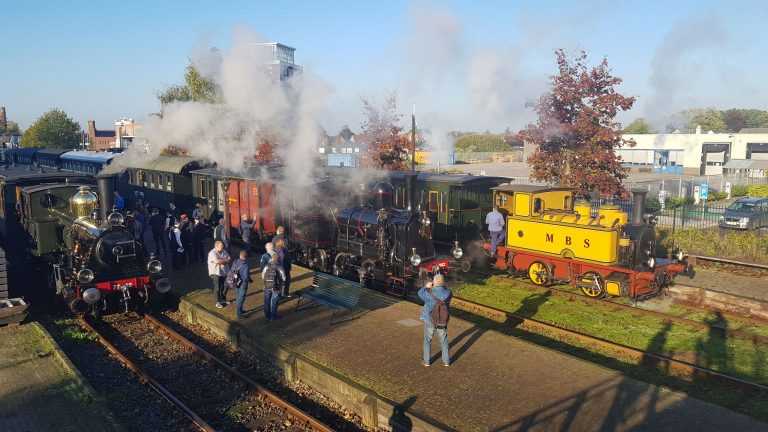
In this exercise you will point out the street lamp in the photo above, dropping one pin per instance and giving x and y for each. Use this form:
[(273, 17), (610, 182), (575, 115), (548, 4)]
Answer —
[(225, 187)]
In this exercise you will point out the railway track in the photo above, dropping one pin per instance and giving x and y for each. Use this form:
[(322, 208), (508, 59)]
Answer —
[(200, 385)]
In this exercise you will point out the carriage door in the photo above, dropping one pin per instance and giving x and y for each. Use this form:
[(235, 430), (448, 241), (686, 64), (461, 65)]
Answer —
[(233, 204), (267, 207)]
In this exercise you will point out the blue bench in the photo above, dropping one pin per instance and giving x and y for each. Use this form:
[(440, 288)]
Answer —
[(333, 292)]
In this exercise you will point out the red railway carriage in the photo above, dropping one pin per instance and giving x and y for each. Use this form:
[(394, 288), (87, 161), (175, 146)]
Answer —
[(251, 193)]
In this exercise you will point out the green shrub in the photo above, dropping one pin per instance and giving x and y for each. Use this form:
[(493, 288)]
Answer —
[(717, 196), (758, 191), (744, 245), (482, 143), (739, 190), (652, 205), (677, 202)]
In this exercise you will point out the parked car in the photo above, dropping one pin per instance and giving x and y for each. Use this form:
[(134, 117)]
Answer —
[(746, 213)]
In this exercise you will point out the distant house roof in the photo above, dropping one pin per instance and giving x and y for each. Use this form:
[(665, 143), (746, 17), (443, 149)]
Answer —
[(754, 131), (746, 164)]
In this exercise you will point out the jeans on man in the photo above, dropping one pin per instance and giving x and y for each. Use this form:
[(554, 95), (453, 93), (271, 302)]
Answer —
[(242, 289), (270, 303), (159, 241), (219, 288), (496, 238), (442, 335)]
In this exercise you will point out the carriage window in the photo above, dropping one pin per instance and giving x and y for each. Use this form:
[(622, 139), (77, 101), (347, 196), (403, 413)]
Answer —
[(169, 182), (538, 204), (433, 201), (567, 203), (142, 178)]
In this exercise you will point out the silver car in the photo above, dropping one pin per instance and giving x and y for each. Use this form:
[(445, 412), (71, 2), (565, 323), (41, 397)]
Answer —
[(746, 214)]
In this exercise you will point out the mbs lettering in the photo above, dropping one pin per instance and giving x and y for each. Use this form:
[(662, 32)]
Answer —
[(568, 240)]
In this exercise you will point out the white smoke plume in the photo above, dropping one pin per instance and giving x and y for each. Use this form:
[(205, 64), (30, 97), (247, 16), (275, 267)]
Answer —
[(253, 104)]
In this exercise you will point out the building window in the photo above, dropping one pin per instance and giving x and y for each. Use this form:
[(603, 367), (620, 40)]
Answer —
[(322, 150)]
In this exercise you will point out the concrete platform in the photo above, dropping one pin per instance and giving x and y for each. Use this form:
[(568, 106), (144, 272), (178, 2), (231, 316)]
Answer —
[(742, 286), (371, 364), (40, 390)]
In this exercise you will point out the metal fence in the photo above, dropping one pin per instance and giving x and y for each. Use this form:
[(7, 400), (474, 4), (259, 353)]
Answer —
[(695, 216), (684, 186)]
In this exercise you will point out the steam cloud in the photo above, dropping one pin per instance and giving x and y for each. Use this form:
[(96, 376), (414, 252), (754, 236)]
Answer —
[(253, 105)]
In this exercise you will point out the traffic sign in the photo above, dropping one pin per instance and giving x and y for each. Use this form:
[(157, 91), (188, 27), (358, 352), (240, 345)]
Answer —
[(704, 191)]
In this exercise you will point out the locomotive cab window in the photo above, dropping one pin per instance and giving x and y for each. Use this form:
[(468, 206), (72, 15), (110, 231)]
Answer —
[(538, 206), (567, 203)]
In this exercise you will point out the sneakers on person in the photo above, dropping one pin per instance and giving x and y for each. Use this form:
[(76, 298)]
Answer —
[(425, 364), (447, 364), (219, 306)]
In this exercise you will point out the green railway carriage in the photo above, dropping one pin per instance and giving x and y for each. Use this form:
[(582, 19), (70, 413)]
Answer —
[(458, 203), (157, 181)]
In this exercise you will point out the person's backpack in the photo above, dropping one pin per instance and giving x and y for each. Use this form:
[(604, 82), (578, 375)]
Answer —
[(233, 277), (439, 313)]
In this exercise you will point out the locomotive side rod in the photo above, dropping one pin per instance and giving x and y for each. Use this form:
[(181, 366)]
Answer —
[(277, 400), (146, 379)]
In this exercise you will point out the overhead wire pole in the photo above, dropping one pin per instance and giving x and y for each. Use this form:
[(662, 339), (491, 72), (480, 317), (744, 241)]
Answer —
[(413, 139)]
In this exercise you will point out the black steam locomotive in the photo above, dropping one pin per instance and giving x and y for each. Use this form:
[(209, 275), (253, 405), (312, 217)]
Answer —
[(98, 265), (373, 242)]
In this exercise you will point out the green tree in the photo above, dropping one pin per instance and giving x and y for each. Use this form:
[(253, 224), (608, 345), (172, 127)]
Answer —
[(638, 126), (737, 119), (709, 119), (53, 129), (196, 88)]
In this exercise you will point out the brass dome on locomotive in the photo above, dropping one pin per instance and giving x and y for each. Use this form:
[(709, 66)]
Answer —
[(83, 203)]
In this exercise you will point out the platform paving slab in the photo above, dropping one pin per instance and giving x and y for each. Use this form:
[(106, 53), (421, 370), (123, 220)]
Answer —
[(726, 282), (372, 363), (40, 389)]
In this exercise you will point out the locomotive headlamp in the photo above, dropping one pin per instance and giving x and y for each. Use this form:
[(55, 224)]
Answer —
[(91, 295), (651, 262), (163, 285), (457, 252), (415, 258), (116, 218), (154, 266), (85, 276)]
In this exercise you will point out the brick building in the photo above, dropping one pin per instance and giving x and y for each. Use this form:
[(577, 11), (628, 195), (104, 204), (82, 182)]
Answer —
[(100, 139)]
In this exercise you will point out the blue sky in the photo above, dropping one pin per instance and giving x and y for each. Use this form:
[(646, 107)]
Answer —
[(104, 60)]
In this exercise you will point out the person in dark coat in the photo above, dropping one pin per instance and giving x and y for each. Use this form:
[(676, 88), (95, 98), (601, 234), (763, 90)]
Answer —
[(241, 267), (220, 233), (177, 247), (284, 261), (156, 223), (186, 237), (272, 275), (246, 231), (199, 234)]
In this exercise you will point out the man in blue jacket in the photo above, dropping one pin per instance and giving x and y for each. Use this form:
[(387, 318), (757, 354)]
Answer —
[(437, 299), (243, 270)]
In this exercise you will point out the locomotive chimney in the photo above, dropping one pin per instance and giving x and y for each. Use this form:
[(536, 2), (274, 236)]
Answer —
[(106, 193), (410, 188), (638, 206)]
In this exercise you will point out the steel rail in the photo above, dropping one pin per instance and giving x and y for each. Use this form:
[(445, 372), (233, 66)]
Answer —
[(536, 326), (147, 379), (730, 261), (275, 399)]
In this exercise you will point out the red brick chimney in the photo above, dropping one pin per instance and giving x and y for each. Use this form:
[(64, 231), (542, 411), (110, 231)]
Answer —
[(92, 132)]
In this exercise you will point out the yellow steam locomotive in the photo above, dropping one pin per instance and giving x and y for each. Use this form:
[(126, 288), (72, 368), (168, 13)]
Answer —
[(556, 240)]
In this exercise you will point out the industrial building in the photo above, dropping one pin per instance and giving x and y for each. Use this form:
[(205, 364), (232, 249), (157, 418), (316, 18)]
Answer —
[(697, 153)]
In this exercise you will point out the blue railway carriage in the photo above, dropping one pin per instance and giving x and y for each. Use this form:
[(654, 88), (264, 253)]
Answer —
[(49, 157), (85, 161), (157, 181)]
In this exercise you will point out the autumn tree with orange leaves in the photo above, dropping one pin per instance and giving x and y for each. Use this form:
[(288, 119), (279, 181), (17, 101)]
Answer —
[(381, 132), (576, 133)]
